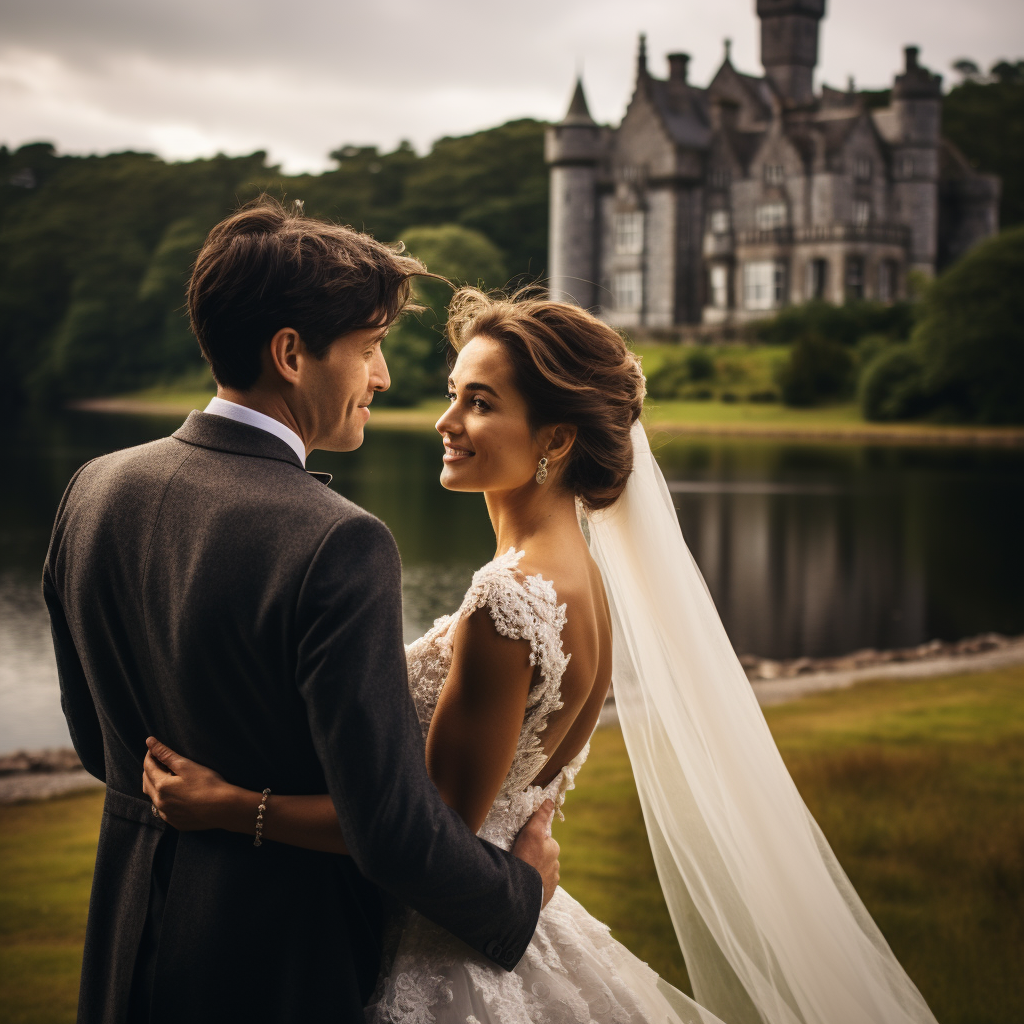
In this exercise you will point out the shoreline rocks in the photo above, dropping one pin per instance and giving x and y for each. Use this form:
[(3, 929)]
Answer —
[(39, 761), (760, 669)]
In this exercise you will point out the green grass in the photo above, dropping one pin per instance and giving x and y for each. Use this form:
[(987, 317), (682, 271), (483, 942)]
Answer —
[(918, 787), (738, 368), (917, 784), (46, 858)]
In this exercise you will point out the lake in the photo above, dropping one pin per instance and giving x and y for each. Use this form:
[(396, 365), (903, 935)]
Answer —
[(807, 549)]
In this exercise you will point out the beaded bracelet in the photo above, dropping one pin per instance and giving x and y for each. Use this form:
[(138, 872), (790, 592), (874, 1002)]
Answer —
[(259, 818)]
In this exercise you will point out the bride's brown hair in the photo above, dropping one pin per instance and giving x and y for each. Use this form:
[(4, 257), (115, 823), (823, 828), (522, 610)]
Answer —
[(569, 367)]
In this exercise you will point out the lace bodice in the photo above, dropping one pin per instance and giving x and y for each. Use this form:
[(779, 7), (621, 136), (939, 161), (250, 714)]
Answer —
[(573, 972), (522, 608)]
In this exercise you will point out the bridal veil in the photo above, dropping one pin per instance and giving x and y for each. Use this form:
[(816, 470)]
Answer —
[(771, 928)]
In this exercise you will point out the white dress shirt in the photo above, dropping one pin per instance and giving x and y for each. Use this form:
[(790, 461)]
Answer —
[(243, 414)]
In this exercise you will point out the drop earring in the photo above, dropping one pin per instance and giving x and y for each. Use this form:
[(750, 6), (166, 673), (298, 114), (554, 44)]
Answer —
[(542, 470)]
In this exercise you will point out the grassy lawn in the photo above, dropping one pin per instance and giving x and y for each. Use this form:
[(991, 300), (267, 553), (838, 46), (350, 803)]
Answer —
[(917, 784), (46, 857), (841, 422)]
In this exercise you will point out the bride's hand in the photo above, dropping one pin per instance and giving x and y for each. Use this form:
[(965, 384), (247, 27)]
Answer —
[(187, 795)]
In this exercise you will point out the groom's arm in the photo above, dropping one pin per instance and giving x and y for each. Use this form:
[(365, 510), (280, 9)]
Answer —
[(352, 675), (75, 696)]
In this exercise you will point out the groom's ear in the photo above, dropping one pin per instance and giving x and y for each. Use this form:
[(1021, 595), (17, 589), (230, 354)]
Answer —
[(285, 353)]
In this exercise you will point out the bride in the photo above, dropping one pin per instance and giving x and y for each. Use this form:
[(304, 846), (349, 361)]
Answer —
[(591, 582)]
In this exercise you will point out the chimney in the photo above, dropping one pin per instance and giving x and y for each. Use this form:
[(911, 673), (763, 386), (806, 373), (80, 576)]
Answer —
[(678, 65), (911, 52)]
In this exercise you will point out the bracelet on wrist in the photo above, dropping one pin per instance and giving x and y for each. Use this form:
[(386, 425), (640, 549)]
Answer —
[(259, 818)]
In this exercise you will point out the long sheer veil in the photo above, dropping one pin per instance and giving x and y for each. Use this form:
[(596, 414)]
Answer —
[(771, 928)]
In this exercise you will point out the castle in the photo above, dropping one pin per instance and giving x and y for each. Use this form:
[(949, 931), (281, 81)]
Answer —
[(717, 205)]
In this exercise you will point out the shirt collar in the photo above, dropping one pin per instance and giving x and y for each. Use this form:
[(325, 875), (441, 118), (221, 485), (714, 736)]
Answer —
[(243, 414)]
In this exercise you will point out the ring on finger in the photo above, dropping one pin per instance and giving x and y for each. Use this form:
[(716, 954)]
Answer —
[(156, 811)]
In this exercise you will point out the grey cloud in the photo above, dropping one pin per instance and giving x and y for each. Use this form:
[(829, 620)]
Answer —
[(299, 78)]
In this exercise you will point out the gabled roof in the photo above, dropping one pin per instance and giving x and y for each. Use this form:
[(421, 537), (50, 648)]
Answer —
[(682, 110), (730, 83)]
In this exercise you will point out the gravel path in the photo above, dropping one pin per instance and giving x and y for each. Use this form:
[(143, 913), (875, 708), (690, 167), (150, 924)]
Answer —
[(779, 691)]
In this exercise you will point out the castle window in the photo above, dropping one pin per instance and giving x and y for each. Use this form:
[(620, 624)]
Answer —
[(855, 277), (887, 280), (774, 174), (764, 284), (817, 279), (770, 215), (719, 282), (861, 213), (719, 178), (627, 290), (629, 233), (719, 222), (862, 169)]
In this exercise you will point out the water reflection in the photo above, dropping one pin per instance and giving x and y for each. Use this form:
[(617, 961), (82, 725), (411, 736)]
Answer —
[(806, 549), (820, 550)]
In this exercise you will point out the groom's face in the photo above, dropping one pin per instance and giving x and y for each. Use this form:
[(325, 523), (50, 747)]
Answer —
[(339, 387)]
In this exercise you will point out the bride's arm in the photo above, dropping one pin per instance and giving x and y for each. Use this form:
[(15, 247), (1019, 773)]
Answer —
[(479, 716), (470, 746), (191, 798)]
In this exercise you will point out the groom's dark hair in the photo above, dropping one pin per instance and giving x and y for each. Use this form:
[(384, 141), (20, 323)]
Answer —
[(266, 267)]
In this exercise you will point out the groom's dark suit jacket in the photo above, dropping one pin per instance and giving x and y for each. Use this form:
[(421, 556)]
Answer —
[(207, 590)]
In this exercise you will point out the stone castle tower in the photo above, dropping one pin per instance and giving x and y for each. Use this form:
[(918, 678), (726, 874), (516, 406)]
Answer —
[(720, 204)]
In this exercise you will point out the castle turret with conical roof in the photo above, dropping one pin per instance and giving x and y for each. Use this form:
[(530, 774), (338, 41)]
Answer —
[(573, 149)]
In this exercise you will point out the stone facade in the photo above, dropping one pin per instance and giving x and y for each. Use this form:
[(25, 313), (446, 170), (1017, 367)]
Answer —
[(720, 204)]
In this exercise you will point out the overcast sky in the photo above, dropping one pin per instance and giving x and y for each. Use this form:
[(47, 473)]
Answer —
[(299, 78)]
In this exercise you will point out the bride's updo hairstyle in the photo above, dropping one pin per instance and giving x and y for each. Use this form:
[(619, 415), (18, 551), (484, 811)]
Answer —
[(569, 367)]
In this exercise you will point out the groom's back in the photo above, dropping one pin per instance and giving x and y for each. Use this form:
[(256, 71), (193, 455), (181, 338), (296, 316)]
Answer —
[(181, 568), (175, 580)]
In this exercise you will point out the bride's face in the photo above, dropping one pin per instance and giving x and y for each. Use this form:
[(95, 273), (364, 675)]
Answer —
[(488, 443)]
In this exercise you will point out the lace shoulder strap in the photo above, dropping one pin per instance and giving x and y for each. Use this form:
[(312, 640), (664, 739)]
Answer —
[(524, 608)]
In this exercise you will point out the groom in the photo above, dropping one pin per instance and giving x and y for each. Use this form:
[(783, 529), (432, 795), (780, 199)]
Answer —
[(206, 589)]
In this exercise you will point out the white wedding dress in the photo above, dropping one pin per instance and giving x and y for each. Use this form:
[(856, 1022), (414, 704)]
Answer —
[(573, 971)]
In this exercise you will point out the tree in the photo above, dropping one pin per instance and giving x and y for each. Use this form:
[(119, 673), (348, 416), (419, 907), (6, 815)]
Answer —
[(970, 337), (984, 119), (416, 348), (95, 251)]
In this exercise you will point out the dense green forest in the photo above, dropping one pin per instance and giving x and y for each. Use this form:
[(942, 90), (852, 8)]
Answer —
[(95, 251)]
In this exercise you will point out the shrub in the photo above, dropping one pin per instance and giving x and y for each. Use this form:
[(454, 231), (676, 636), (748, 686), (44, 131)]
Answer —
[(678, 370), (971, 334), (892, 385), (845, 324), (818, 370), (700, 366)]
